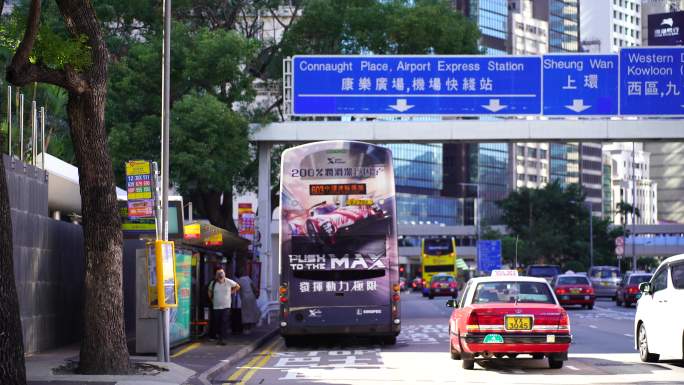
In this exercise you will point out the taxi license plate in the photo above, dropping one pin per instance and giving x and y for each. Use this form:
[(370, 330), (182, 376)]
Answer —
[(518, 323), (444, 286), (575, 291)]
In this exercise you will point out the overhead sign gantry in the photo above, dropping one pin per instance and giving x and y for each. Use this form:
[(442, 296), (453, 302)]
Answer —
[(637, 82)]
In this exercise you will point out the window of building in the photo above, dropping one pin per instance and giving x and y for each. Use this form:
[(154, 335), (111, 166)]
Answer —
[(637, 34), (520, 150), (614, 27), (615, 14), (532, 152), (532, 163), (532, 178), (542, 153), (620, 29), (521, 176), (637, 9), (638, 20)]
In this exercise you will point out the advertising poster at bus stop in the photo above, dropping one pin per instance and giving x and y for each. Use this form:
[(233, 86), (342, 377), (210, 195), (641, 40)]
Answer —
[(338, 232), (180, 316)]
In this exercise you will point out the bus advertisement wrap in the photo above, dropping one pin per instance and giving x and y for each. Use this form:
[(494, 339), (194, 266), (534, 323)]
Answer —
[(338, 245)]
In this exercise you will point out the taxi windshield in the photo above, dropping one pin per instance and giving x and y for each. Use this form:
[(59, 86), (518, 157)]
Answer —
[(512, 292)]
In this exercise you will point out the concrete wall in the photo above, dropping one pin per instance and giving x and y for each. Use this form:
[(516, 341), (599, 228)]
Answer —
[(48, 263)]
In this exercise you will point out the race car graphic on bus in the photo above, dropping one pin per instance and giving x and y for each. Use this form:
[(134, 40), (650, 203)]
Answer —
[(338, 245)]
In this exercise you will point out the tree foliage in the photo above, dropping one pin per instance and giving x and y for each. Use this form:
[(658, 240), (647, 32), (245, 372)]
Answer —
[(552, 225)]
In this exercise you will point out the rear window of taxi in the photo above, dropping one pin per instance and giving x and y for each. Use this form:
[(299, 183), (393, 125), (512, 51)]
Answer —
[(512, 292), (573, 281)]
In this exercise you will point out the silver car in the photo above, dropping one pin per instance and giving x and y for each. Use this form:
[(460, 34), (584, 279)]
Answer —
[(605, 280)]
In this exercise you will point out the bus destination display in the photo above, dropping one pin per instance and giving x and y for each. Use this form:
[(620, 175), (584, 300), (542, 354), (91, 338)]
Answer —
[(337, 189)]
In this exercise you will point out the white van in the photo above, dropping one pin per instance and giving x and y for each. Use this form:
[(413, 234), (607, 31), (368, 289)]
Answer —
[(659, 319)]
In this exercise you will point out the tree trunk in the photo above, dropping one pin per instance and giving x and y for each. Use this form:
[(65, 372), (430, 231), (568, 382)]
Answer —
[(103, 345), (12, 369), (219, 214)]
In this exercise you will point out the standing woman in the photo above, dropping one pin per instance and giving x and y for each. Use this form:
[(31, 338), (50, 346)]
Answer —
[(248, 299)]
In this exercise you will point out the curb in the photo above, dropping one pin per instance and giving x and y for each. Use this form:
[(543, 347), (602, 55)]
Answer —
[(237, 356)]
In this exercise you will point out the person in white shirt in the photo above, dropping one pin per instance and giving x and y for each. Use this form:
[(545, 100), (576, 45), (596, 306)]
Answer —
[(220, 295)]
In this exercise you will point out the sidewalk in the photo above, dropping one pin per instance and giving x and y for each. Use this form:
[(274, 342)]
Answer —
[(192, 363)]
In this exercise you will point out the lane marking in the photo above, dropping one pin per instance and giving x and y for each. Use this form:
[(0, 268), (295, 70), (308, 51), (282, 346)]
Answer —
[(593, 326), (628, 335), (258, 366), (233, 378), (518, 371), (186, 349), (571, 367)]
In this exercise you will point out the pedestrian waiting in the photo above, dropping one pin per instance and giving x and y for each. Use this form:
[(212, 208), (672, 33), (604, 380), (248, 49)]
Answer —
[(220, 292)]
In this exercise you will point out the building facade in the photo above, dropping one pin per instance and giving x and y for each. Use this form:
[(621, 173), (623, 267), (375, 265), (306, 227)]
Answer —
[(610, 25), (667, 170), (631, 182)]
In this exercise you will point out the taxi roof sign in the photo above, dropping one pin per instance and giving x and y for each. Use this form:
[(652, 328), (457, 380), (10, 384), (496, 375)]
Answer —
[(504, 273)]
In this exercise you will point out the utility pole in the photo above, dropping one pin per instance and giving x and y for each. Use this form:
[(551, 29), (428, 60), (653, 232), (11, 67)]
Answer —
[(163, 353)]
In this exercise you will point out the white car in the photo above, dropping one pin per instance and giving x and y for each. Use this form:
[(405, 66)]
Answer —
[(659, 320)]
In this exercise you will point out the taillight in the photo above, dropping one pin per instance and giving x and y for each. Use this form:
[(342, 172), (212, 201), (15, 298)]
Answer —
[(589, 290), (561, 291), (564, 322), (283, 294), (435, 285), (413, 284), (633, 290), (452, 285), (473, 324)]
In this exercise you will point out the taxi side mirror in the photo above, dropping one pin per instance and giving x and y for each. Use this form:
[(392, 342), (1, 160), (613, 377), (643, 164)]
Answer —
[(645, 287), (452, 303)]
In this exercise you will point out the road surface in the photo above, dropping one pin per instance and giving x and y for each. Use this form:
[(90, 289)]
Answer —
[(602, 353)]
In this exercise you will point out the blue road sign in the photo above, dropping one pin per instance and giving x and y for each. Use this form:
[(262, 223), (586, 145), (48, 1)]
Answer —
[(416, 85), (576, 85), (651, 81), (488, 256)]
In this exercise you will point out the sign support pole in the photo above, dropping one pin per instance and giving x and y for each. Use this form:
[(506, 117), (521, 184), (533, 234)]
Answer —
[(163, 354)]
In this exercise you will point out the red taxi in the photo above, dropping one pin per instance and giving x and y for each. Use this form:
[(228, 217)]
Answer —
[(574, 289), (504, 316)]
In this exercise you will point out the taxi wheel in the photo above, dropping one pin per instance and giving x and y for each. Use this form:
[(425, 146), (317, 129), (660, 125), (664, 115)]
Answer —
[(644, 354), (468, 364), (538, 356), (590, 306), (555, 364), (618, 303)]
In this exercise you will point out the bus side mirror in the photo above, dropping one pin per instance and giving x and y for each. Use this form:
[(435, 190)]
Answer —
[(645, 287), (452, 303)]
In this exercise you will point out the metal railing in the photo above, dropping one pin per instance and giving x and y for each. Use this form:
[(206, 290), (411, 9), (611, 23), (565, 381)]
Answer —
[(37, 119)]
